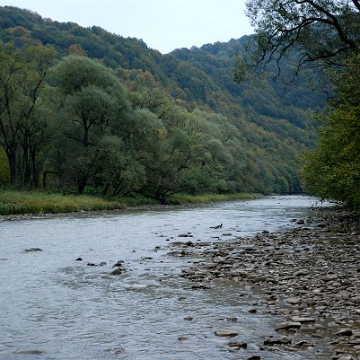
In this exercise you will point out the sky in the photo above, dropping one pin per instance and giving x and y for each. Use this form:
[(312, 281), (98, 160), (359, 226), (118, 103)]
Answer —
[(163, 25)]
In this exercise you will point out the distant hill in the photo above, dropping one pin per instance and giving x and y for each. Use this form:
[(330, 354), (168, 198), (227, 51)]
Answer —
[(275, 120)]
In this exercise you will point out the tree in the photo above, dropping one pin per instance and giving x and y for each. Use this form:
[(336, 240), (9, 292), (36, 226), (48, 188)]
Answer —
[(93, 106), (121, 171), (164, 153), (332, 170), (223, 146), (4, 169), (22, 131), (76, 49), (323, 35), (320, 31)]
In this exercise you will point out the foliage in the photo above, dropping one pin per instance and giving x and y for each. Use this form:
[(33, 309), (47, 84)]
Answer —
[(93, 105), (15, 202), (332, 169), (122, 118), (323, 35), (36, 202), (23, 130), (4, 169), (321, 32)]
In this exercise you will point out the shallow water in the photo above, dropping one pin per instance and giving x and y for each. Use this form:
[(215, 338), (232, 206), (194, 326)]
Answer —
[(68, 310)]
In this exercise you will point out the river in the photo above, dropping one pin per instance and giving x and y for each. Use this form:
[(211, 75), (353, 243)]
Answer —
[(65, 309)]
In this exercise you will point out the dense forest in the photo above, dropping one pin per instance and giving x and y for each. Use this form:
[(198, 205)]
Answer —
[(82, 108), (321, 37)]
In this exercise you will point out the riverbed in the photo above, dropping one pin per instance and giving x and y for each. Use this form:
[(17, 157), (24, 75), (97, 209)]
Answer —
[(55, 306)]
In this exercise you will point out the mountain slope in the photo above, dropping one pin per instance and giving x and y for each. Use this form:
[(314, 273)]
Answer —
[(275, 120)]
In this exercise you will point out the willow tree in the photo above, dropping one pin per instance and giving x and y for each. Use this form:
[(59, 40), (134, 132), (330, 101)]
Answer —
[(23, 131), (92, 106)]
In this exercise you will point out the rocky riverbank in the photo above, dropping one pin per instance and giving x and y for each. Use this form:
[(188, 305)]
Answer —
[(309, 276)]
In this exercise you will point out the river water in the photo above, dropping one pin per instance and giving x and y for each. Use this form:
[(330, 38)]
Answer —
[(64, 308)]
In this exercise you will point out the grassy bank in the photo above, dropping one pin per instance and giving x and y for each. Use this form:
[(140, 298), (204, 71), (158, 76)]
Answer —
[(23, 202), (207, 198)]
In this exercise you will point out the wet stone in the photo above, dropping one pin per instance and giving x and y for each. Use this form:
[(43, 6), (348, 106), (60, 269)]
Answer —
[(288, 325), (234, 345), (302, 319), (344, 332), (28, 352), (226, 332), (308, 276), (292, 301), (33, 249), (117, 271), (183, 338)]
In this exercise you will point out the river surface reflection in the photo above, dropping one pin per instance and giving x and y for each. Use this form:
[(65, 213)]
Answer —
[(67, 310)]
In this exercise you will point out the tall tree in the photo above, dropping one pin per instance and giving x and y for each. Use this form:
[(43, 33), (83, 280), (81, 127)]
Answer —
[(332, 170), (321, 31), (93, 106), (326, 34), (22, 80)]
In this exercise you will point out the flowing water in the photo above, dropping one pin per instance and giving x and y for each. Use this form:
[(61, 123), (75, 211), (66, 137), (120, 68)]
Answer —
[(68, 310)]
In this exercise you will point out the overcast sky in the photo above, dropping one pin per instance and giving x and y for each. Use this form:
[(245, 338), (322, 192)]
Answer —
[(164, 25)]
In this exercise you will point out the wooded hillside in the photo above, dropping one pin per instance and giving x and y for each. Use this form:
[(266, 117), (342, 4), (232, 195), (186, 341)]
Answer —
[(255, 133)]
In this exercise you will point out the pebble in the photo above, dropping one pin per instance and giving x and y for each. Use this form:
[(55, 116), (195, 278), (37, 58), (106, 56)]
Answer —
[(309, 276)]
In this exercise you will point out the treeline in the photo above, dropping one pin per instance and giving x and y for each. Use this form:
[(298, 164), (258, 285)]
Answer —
[(332, 170), (72, 125), (323, 38), (273, 123)]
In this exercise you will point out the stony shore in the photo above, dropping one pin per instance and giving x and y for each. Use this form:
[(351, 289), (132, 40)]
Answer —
[(309, 276)]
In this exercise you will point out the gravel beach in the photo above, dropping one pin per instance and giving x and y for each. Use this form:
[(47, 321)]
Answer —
[(309, 276)]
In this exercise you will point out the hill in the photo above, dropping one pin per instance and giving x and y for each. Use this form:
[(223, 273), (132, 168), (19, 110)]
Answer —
[(275, 120)]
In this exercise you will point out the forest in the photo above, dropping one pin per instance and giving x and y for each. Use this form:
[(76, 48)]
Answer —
[(322, 37), (83, 110)]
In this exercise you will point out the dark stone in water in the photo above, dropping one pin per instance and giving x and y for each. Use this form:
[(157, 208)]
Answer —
[(28, 352), (234, 319), (216, 227), (237, 345), (119, 263), (183, 338), (33, 249), (117, 271)]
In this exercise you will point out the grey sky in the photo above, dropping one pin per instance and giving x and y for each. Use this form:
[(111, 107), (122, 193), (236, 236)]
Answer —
[(164, 25)]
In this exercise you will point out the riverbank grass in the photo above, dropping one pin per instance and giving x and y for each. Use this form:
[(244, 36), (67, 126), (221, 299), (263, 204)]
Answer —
[(180, 199), (24, 202), (12, 202)]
